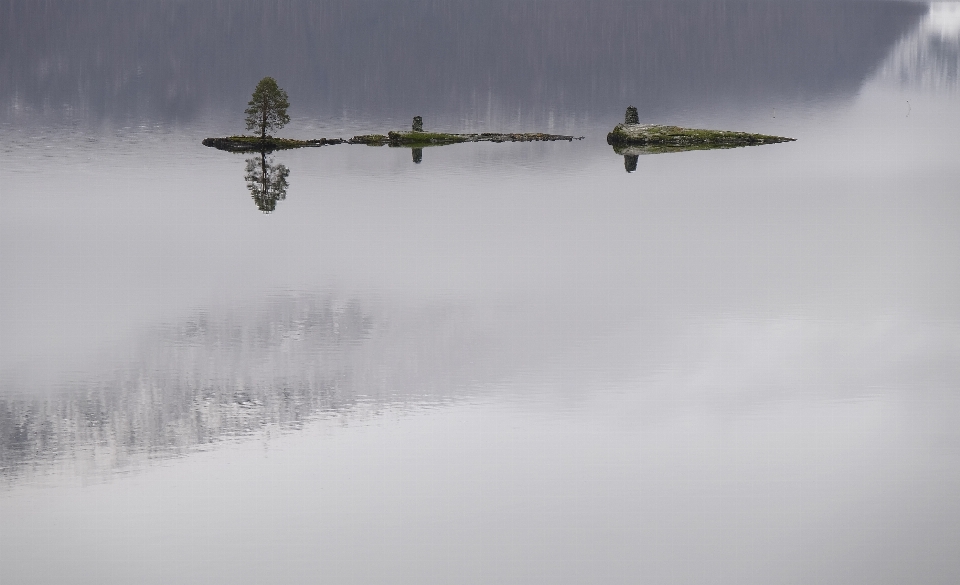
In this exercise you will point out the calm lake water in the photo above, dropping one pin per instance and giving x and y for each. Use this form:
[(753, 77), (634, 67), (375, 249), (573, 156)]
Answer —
[(507, 363)]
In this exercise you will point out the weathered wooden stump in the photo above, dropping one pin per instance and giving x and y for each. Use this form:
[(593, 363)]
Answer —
[(417, 124)]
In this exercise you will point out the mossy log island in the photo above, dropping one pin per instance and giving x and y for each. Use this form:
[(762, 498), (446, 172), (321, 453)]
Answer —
[(655, 136), (255, 143), (415, 138), (675, 136), (421, 139)]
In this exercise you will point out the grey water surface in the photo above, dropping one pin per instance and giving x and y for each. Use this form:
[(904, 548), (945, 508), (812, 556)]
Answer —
[(479, 363)]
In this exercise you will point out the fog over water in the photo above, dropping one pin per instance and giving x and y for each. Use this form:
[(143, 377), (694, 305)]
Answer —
[(479, 363)]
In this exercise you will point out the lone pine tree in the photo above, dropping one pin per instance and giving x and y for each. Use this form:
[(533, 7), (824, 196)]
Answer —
[(267, 109)]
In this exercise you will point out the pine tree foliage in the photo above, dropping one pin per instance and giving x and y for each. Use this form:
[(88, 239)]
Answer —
[(267, 109)]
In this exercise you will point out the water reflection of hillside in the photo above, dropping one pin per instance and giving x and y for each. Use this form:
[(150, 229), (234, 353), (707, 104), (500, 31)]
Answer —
[(219, 376), (507, 61), (930, 55)]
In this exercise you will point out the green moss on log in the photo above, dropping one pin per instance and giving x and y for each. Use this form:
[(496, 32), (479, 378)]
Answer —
[(419, 139), (423, 138), (675, 137), (257, 144), (369, 139), (393, 138)]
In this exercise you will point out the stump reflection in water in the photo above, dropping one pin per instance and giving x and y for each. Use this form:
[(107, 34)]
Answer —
[(266, 181)]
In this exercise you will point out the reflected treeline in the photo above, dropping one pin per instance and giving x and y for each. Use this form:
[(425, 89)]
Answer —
[(220, 375), (508, 62), (266, 181), (191, 384)]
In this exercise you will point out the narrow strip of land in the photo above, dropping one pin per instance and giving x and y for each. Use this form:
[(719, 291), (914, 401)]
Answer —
[(630, 133), (257, 144), (409, 139), (656, 135)]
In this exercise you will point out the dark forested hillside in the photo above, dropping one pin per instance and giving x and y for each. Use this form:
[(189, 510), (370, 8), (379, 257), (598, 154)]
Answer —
[(171, 59)]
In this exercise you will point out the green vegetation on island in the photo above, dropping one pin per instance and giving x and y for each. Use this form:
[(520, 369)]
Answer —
[(267, 111), (268, 144), (671, 138), (416, 137), (631, 139), (370, 139), (419, 139), (686, 138)]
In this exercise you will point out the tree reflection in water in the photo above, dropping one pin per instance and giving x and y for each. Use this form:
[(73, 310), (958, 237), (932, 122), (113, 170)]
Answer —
[(266, 181)]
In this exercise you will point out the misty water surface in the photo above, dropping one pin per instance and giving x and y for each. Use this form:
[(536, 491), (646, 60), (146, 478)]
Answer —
[(479, 363)]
